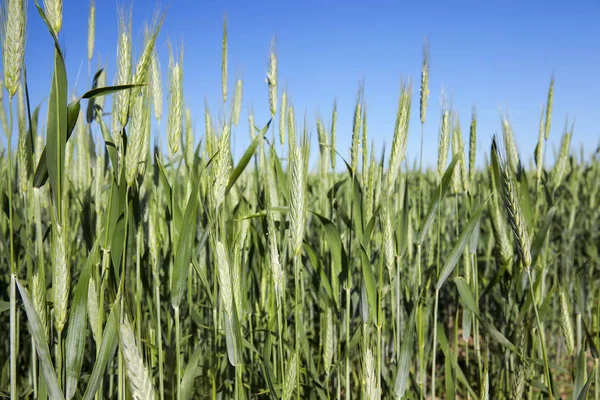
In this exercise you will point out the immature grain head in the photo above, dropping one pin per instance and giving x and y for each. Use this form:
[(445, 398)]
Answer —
[(53, 10), (137, 132), (123, 66), (485, 377), (356, 132), (400, 135), (22, 167), (176, 104), (291, 123), (3, 118), (458, 150), (153, 238), (539, 149), (370, 389), (272, 80), (156, 87), (208, 131), (140, 381), (92, 308), (444, 138), (251, 126), (328, 337), (290, 378), (424, 82), (282, 112), (142, 69), (501, 238), (370, 187), (224, 62), (512, 154), (39, 298), (560, 167), (13, 43), (515, 213), (276, 270), (363, 143), (189, 138), (324, 151), (224, 277), (472, 145), (222, 167), (549, 109), (565, 321), (61, 277), (388, 240), (297, 203), (237, 102), (519, 382), (333, 131), (91, 29), (83, 154)]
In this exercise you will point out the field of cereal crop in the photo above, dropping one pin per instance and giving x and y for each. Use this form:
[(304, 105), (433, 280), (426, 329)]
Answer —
[(128, 270)]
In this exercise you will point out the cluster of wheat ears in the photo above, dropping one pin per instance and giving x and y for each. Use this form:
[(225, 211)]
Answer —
[(129, 273)]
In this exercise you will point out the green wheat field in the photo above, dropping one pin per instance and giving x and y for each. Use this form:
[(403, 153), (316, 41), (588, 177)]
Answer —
[(132, 271)]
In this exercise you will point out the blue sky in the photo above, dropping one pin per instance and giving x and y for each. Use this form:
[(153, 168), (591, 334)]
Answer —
[(494, 55)]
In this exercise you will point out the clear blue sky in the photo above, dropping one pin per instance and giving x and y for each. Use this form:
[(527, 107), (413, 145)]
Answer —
[(494, 55)]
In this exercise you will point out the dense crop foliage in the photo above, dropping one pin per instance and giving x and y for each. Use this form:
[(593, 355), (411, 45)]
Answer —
[(127, 270)]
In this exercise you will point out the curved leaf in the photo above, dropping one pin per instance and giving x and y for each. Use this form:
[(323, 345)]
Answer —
[(108, 347), (39, 337), (460, 245), (246, 157), (440, 192), (107, 90), (187, 382), (185, 243), (76, 333)]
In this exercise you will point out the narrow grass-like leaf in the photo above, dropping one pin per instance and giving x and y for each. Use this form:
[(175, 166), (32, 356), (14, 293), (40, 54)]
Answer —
[(41, 172), (56, 139), (203, 280), (460, 375), (466, 294), (436, 199), (91, 108), (338, 255), (48, 25), (526, 200), (590, 341), (111, 146), (316, 272), (283, 186), (108, 347), (39, 336), (580, 371), (460, 245), (185, 243), (449, 377), (107, 90), (246, 157), (357, 210), (370, 283), (402, 226), (498, 336), (540, 235), (76, 333), (173, 208), (401, 380), (586, 388), (187, 382)]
